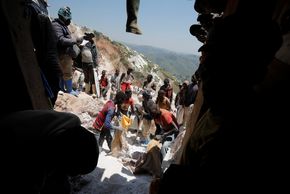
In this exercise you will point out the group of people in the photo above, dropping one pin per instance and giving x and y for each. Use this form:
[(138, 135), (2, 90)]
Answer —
[(185, 99), (120, 101), (64, 50), (227, 144), (84, 51), (151, 113)]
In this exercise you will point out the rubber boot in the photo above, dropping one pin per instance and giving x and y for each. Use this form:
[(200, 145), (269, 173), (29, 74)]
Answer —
[(62, 84), (109, 140), (68, 86)]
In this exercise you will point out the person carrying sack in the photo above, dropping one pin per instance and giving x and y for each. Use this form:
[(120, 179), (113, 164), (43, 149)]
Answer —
[(104, 118)]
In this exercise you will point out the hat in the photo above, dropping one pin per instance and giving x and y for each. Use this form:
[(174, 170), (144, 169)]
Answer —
[(65, 13), (89, 34)]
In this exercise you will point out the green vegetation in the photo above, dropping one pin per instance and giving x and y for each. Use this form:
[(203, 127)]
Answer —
[(182, 66)]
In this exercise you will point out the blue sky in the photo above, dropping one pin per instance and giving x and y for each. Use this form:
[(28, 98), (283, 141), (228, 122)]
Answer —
[(164, 23)]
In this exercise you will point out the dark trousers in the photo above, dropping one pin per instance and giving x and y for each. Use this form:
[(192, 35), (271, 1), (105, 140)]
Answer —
[(105, 134), (88, 73)]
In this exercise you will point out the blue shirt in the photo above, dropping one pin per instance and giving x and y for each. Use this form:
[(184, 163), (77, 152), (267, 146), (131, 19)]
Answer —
[(109, 118)]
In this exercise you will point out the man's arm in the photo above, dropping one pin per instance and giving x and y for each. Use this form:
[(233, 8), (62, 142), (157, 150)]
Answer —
[(109, 118), (62, 40)]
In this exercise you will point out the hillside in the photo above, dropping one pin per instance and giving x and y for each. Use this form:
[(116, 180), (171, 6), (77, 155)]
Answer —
[(179, 65), (113, 54)]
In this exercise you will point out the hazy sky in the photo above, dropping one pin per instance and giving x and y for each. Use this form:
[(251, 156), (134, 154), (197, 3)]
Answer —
[(164, 23)]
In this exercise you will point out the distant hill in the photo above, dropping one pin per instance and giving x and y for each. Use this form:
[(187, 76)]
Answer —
[(180, 65)]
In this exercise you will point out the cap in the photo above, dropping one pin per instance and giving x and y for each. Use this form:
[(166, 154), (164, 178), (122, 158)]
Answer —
[(89, 35)]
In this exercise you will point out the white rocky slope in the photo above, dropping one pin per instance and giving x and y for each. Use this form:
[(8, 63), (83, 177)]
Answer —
[(113, 174)]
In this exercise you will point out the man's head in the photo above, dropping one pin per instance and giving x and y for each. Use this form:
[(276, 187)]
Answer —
[(64, 14), (120, 98), (161, 93), (154, 110), (128, 93), (103, 72), (166, 81), (117, 72), (198, 31), (149, 78), (130, 70)]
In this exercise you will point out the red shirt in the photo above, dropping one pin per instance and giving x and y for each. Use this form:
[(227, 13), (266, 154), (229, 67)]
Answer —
[(104, 81), (165, 120), (128, 103)]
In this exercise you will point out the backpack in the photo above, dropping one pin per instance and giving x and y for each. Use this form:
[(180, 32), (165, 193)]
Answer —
[(87, 56)]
